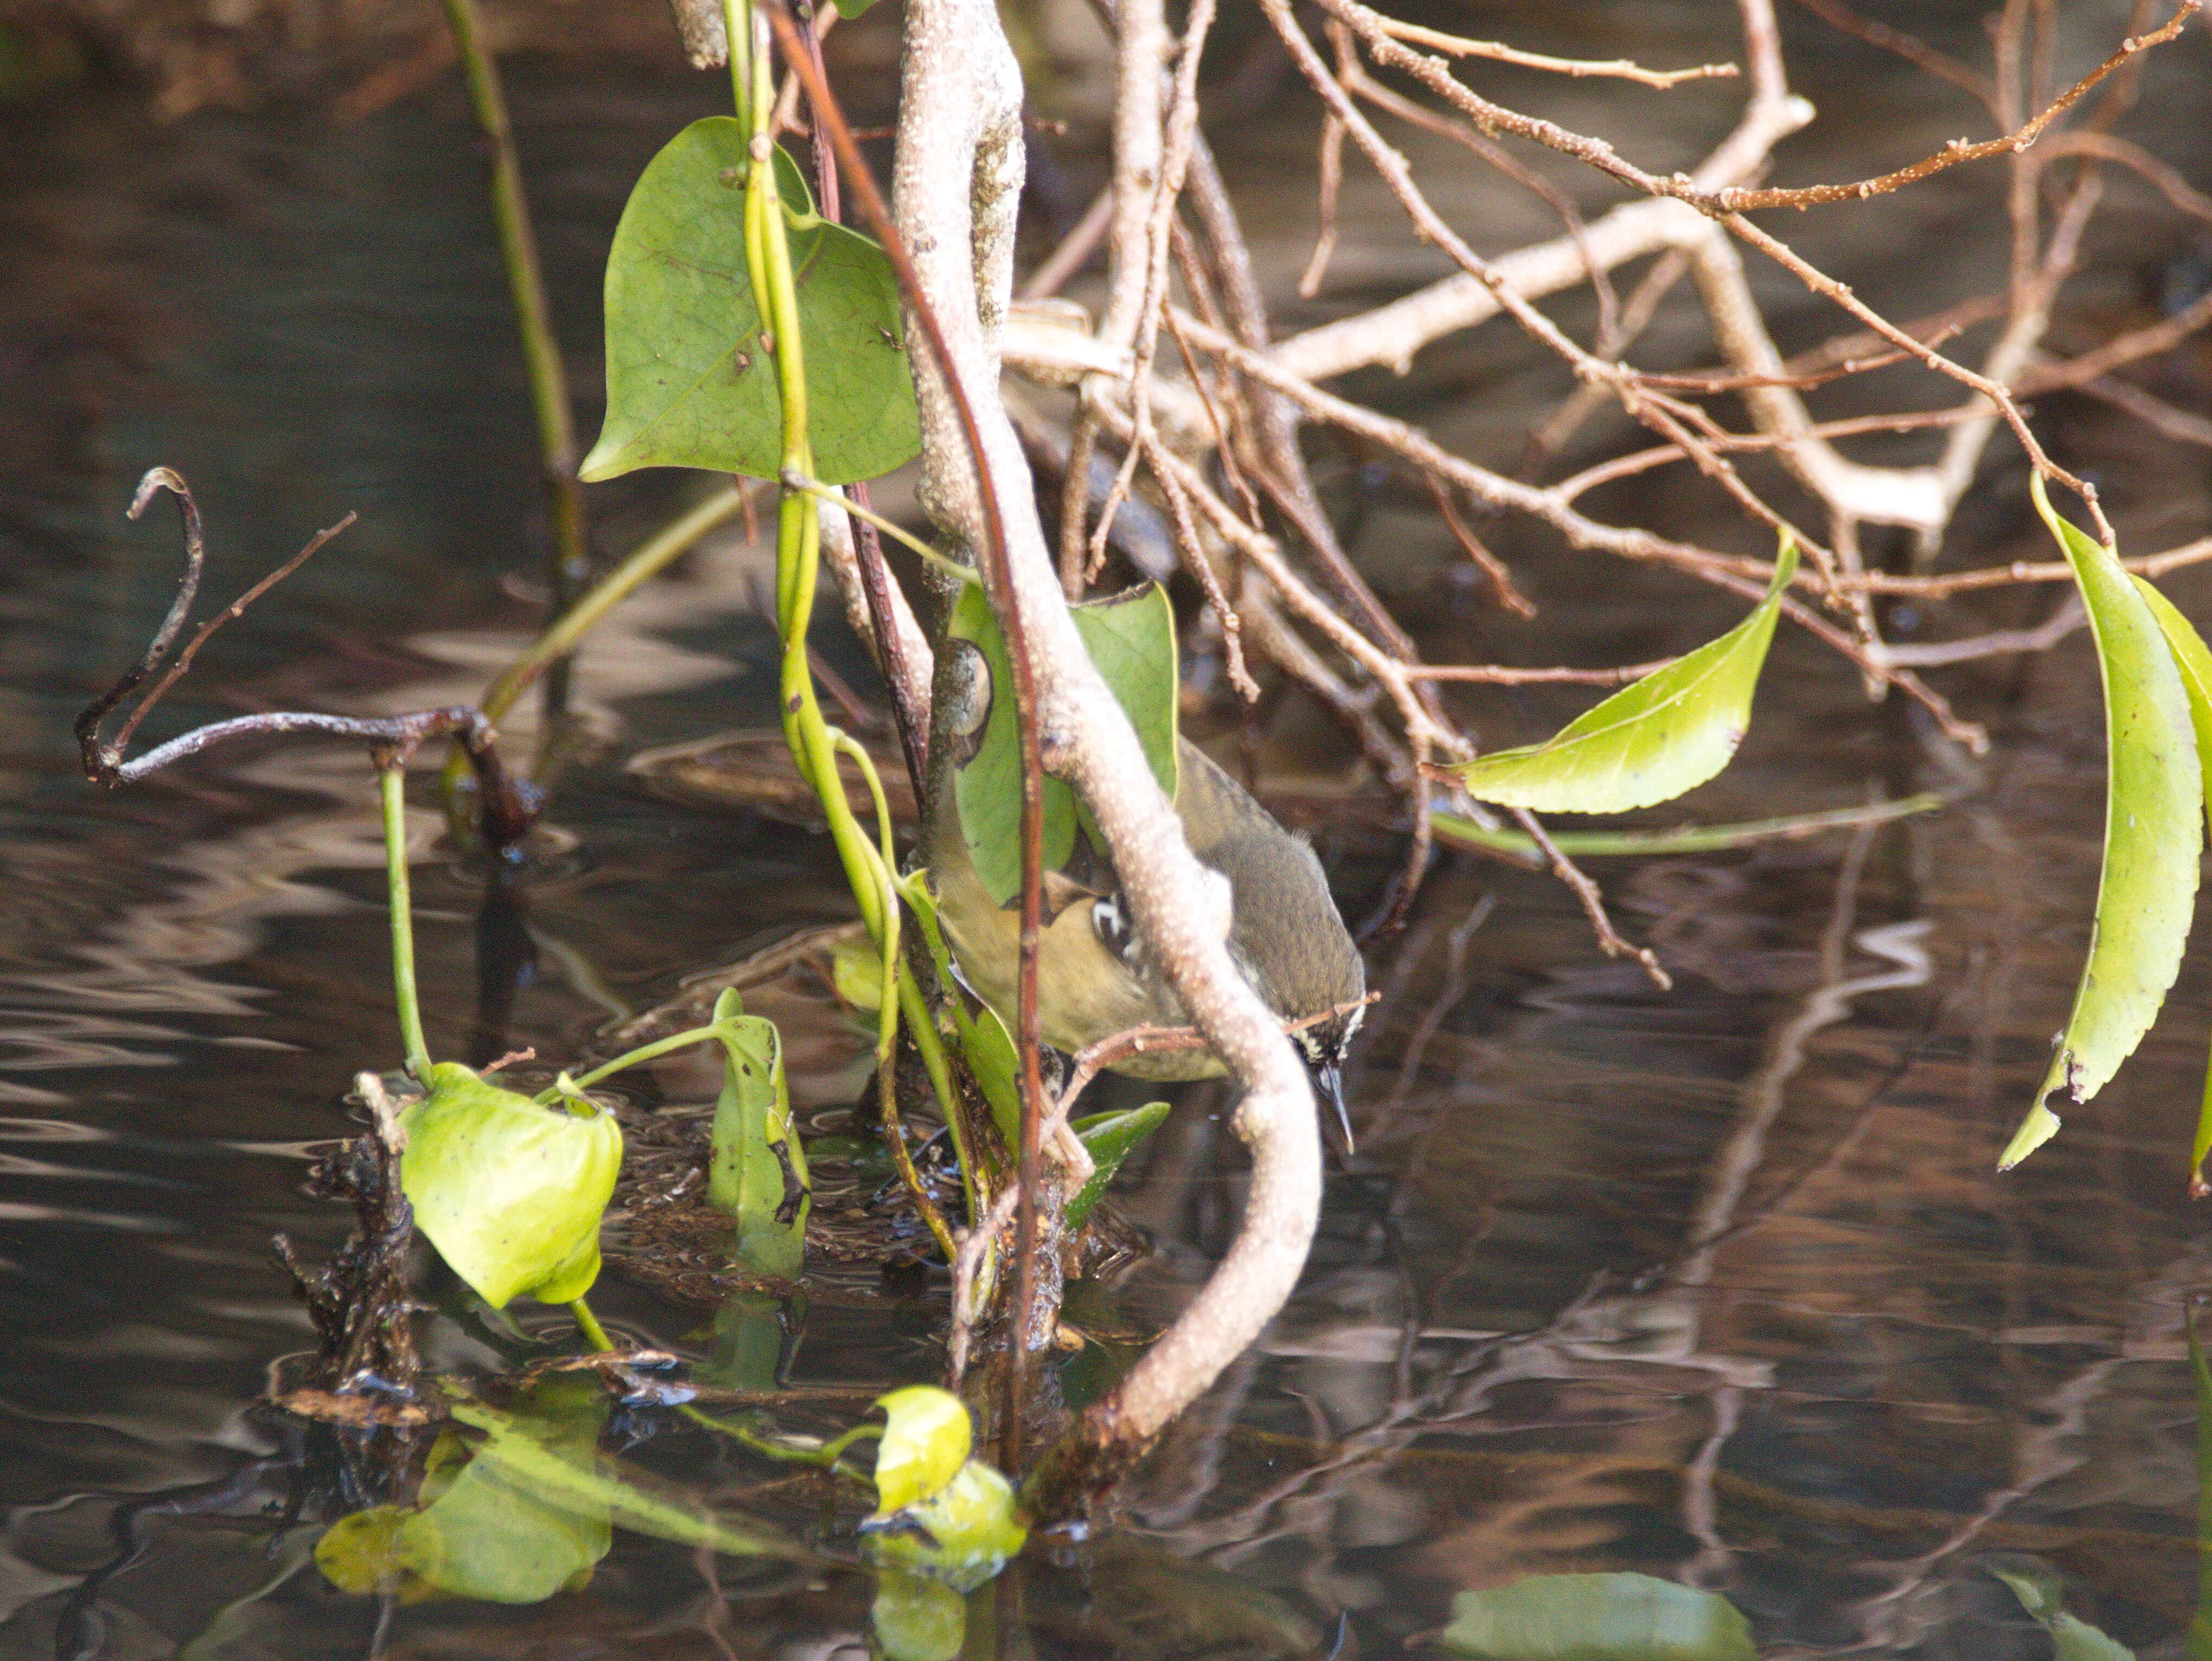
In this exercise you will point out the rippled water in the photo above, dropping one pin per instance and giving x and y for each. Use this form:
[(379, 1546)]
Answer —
[(1717, 1285)]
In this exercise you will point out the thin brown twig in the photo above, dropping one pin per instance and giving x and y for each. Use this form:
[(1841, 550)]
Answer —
[(1592, 897), (1618, 67)]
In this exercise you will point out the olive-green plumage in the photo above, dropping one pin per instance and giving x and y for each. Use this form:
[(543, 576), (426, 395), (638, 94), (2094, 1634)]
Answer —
[(1094, 977)]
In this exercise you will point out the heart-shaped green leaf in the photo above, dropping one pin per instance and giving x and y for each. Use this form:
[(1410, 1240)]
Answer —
[(2195, 663), (1109, 1139), (690, 381), (510, 1192), (2153, 832), (752, 1127), (1596, 1617), (1650, 741), (1131, 638), (926, 1440)]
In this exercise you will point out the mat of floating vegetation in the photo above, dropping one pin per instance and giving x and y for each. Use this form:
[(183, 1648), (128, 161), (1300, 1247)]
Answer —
[(866, 1243), (660, 1231)]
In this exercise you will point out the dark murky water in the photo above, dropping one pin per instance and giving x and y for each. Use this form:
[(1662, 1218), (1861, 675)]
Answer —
[(1719, 1285)]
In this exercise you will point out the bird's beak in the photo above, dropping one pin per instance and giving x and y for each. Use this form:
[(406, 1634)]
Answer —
[(1328, 1080)]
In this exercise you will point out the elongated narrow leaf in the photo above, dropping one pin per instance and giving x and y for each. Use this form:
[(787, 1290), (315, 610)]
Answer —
[(1131, 638), (2195, 663), (1110, 1138), (757, 1170), (2154, 831), (984, 1043), (1649, 743), (691, 382), (1596, 1617)]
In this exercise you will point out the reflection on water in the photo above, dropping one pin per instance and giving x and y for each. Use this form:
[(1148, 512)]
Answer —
[(1718, 1287)]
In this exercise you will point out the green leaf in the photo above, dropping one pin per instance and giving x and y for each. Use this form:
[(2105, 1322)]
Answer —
[(984, 1043), (752, 1121), (2197, 1646), (1597, 1618), (924, 1444), (1109, 1138), (603, 1487), (1130, 640), (962, 1535), (2072, 1639), (1650, 741), (2195, 663), (856, 969), (508, 1192), (690, 383), (916, 1618), (483, 1535), (2154, 831)]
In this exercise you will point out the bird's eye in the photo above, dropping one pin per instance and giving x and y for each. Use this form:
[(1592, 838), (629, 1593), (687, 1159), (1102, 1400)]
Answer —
[(1110, 925)]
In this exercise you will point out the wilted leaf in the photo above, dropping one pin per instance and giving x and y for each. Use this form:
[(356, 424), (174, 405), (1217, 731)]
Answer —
[(962, 1535), (1131, 638), (2154, 831), (2195, 663), (690, 381), (1597, 1618), (752, 1122), (925, 1442), (2072, 1639), (1650, 741), (1109, 1139), (916, 1618), (508, 1192)]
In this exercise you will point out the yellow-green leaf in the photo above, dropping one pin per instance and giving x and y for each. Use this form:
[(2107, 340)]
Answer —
[(925, 1442), (1650, 741), (1596, 1617), (691, 380), (2153, 832), (510, 1192), (2195, 663), (962, 1535), (2072, 1639), (753, 1124), (1131, 638)]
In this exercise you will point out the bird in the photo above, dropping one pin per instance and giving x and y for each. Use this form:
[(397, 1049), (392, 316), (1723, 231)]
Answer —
[(1095, 978)]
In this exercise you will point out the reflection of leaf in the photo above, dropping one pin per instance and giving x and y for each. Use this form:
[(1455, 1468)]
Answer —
[(926, 1441), (1109, 1139), (2197, 1647), (508, 1192), (621, 1495), (915, 1618), (752, 1120), (1668, 733), (963, 1534), (690, 382), (1130, 640), (1597, 1618), (2154, 831), (485, 1535), (2072, 1639), (2195, 663)]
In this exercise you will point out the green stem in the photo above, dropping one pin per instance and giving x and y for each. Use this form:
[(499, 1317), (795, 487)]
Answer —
[(826, 1456), (569, 568), (588, 1325), (659, 1047), (651, 557), (821, 492), (391, 787), (1685, 839)]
